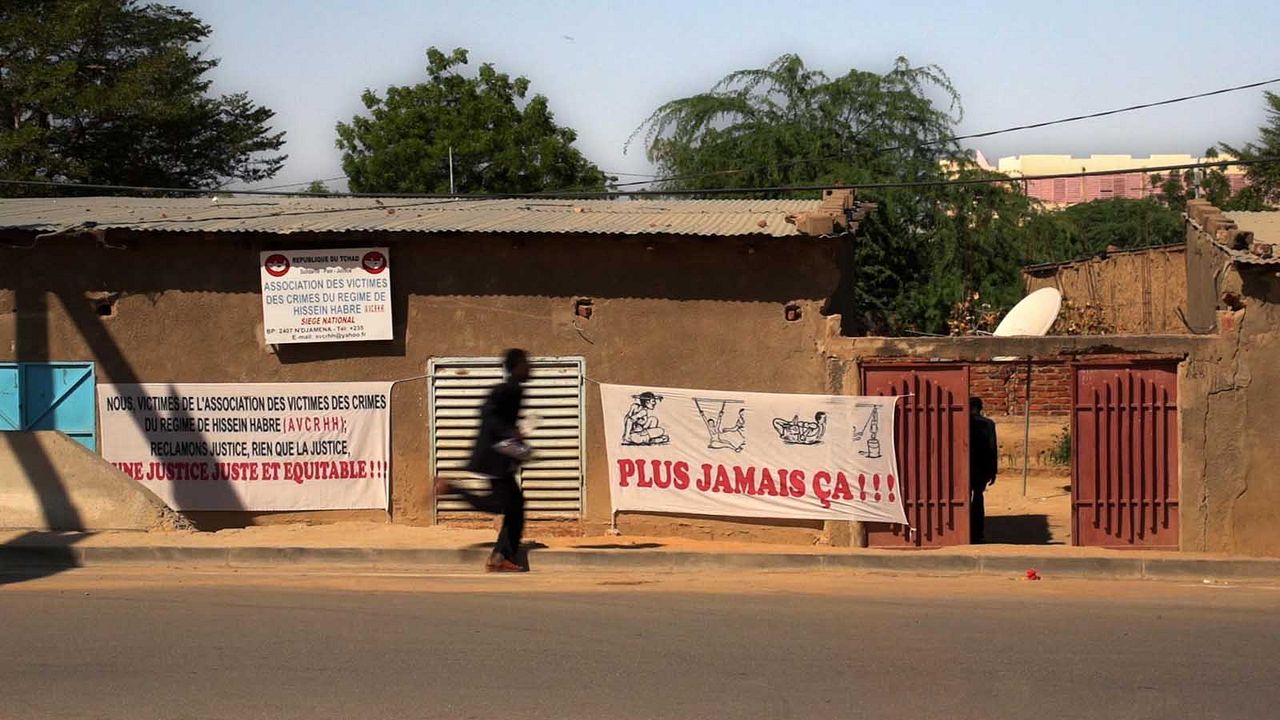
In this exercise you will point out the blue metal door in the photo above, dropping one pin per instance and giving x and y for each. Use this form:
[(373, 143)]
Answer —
[(10, 398), (50, 396)]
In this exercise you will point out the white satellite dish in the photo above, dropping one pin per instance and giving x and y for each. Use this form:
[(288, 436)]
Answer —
[(1034, 315)]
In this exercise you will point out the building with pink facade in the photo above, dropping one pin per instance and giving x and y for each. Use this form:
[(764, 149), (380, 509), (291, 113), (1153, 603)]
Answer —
[(1073, 190)]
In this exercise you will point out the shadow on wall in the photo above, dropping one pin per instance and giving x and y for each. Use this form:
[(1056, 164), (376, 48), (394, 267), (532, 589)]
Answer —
[(111, 359), (1259, 282), (717, 527), (25, 557), (32, 345), (436, 265), (844, 300), (58, 512), (440, 264)]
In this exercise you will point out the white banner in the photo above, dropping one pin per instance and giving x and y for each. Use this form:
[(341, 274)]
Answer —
[(326, 295), (267, 446), (739, 454)]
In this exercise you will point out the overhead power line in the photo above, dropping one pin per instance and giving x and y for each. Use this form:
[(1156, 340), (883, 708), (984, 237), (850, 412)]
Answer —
[(969, 136), (610, 173), (987, 180), (294, 184), (630, 174), (154, 189), (615, 192)]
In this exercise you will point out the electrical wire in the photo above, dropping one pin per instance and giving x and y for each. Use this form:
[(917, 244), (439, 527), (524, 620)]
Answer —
[(446, 197), (615, 192), (223, 188), (969, 136), (444, 200), (284, 212), (170, 190), (295, 184)]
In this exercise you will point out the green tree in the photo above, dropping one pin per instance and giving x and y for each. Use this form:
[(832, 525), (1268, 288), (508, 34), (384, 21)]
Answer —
[(1175, 188), (1090, 228), (500, 141), (112, 92), (926, 247), (788, 124), (1214, 185), (317, 187), (1124, 223), (1263, 190)]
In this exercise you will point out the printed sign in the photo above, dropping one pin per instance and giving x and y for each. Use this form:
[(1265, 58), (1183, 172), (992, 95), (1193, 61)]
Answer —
[(270, 446), (326, 295), (752, 454)]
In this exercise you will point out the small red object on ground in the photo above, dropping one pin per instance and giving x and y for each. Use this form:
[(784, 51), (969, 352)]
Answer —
[(1032, 575)]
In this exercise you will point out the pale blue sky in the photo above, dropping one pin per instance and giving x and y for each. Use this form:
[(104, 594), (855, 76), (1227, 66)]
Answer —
[(1013, 62)]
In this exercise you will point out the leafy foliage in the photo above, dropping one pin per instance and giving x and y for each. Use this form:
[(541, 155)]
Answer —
[(1082, 319), (1060, 452), (928, 253), (111, 92), (971, 316), (500, 142), (1093, 227), (1214, 185), (317, 187), (788, 124), (925, 248), (1263, 190), (1175, 188)]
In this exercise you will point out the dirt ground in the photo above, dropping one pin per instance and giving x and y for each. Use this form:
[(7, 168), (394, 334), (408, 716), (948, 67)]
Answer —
[(1041, 517)]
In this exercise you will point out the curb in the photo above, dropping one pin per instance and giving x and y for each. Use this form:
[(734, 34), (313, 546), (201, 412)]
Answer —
[(27, 557)]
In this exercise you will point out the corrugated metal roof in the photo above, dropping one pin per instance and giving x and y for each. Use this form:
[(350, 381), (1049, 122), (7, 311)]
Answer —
[(1265, 227), (303, 215)]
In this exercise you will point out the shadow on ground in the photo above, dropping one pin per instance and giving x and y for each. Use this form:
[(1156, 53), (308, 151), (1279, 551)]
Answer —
[(1018, 530), (38, 554), (620, 546), (525, 546)]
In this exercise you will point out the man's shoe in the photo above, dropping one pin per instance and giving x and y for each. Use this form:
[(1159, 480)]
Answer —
[(506, 566)]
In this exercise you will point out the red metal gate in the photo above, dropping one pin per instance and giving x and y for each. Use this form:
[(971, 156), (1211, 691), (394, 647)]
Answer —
[(1124, 430), (932, 438)]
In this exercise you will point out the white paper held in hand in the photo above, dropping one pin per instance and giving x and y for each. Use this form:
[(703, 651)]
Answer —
[(514, 449), (529, 424)]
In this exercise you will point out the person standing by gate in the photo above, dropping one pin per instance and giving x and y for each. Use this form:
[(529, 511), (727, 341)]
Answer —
[(983, 464), (497, 454)]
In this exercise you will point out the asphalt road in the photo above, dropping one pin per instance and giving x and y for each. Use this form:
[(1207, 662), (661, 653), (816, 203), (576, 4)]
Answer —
[(167, 644)]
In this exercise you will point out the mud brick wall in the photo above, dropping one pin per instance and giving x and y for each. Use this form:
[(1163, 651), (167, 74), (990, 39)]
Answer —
[(1003, 387)]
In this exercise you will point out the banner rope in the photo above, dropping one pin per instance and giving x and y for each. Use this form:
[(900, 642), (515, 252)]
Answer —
[(594, 381), (613, 515)]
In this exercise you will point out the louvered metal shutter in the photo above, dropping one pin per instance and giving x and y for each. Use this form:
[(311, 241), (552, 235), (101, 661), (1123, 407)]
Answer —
[(553, 480)]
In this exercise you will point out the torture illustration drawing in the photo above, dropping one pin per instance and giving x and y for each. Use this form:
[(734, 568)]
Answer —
[(720, 437), (642, 426), (870, 428), (802, 432)]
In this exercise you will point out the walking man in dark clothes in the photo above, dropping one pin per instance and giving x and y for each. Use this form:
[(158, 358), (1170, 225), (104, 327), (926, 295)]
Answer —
[(498, 452), (983, 462)]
